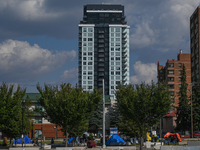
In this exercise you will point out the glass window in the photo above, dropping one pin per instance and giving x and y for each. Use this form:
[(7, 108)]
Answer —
[(84, 82), (89, 87), (112, 68), (90, 44), (84, 68), (117, 63), (84, 63), (89, 58), (89, 72), (117, 53), (90, 29), (179, 79), (112, 58), (171, 72), (171, 65), (89, 48), (84, 29), (112, 49), (179, 72), (117, 44), (172, 93), (117, 29), (112, 63), (89, 53), (84, 39), (112, 77), (112, 34), (117, 82), (112, 53), (117, 34), (171, 79), (112, 39), (89, 34), (84, 77), (112, 87), (112, 92), (89, 82), (84, 72), (112, 29), (117, 68), (117, 72), (112, 82), (89, 63), (117, 49), (171, 86), (179, 65), (89, 77), (89, 39), (89, 68), (117, 39), (117, 77), (84, 53), (117, 58), (179, 86), (112, 72), (84, 58)]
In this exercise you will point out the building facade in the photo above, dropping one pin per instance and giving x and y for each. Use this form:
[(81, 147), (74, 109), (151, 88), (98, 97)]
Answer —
[(194, 44), (171, 73), (103, 48)]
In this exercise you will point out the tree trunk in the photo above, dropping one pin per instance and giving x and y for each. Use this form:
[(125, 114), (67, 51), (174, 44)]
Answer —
[(73, 142), (10, 143), (66, 140), (141, 142)]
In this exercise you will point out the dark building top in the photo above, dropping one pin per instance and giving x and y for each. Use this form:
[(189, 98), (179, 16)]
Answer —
[(103, 14)]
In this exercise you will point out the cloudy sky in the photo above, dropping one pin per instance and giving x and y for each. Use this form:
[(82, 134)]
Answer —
[(39, 38)]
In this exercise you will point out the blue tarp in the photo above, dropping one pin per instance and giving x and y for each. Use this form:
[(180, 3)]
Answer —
[(115, 139), (25, 140), (70, 140)]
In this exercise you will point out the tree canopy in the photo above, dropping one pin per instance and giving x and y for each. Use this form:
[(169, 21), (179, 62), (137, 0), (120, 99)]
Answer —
[(11, 111), (183, 109), (68, 107), (143, 104)]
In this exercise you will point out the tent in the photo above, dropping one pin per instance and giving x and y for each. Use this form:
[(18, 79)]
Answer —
[(26, 140), (115, 139)]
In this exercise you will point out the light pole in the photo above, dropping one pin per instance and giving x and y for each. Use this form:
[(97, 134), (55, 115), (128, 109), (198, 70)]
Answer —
[(104, 146), (41, 136), (23, 101)]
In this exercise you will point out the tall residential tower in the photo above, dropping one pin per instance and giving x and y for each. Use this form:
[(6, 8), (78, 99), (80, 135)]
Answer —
[(103, 48)]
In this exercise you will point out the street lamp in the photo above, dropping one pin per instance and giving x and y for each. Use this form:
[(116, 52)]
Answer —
[(23, 101), (103, 146)]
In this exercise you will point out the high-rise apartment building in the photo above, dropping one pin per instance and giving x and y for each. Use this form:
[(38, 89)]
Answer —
[(103, 48), (171, 73), (194, 44)]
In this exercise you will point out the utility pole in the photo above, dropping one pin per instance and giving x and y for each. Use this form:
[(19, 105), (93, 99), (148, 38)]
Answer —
[(104, 146)]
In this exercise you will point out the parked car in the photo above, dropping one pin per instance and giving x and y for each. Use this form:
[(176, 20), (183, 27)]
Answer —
[(196, 134)]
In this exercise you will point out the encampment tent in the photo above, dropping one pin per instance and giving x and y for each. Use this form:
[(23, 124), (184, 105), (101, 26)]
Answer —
[(26, 140), (115, 139)]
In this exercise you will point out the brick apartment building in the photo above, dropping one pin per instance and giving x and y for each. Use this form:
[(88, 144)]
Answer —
[(171, 73)]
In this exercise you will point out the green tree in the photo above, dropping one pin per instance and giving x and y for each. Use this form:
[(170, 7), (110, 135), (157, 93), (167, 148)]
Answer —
[(143, 104), (68, 107), (196, 106), (183, 109), (114, 116), (97, 117), (11, 111)]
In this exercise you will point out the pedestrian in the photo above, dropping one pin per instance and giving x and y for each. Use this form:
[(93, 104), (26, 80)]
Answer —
[(52, 141)]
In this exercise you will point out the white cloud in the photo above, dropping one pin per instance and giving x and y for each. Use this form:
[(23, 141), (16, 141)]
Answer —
[(69, 75), (144, 73), (19, 60)]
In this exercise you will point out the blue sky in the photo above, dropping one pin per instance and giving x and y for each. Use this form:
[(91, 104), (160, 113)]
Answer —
[(39, 38)]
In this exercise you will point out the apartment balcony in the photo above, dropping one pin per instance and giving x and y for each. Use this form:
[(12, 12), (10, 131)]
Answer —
[(80, 45), (124, 75), (124, 46), (101, 74), (124, 60), (124, 79), (101, 41), (84, 17), (101, 65), (101, 45), (123, 17), (124, 33), (101, 36), (101, 69), (124, 51), (101, 60), (101, 31), (124, 42), (124, 22), (101, 55), (124, 56), (124, 37), (124, 65), (79, 59), (101, 50), (124, 69)]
